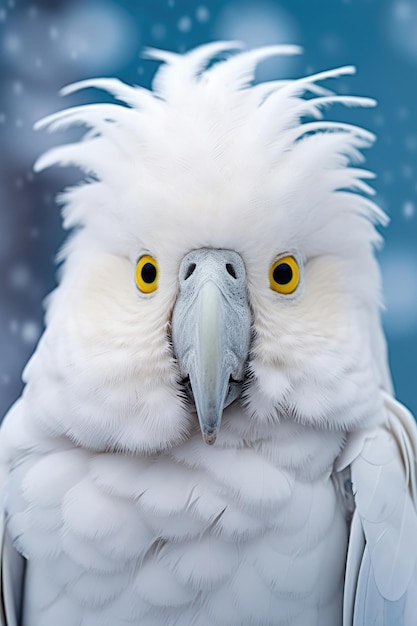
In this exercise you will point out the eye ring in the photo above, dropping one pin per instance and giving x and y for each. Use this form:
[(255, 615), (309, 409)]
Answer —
[(147, 274), (284, 275)]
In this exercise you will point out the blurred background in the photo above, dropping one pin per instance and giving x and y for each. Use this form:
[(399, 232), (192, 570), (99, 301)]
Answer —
[(47, 44)]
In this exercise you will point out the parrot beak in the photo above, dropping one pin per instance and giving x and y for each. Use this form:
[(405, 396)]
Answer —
[(211, 325)]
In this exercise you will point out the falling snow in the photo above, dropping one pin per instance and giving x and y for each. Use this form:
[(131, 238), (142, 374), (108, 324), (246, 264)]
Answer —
[(12, 44), (30, 332), (401, 27), (407, 171), (400, 295), (19, 277), (158, 31), (53, 33), (202, 14), (410, 143), (185, 24), (408, 209)]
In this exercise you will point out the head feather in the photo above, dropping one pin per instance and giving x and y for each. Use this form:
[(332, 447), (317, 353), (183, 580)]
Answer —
[(136, 97), (205, 123)]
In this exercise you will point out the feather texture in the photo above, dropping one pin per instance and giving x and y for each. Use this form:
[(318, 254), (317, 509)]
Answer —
[(121, 512), (383, 479)]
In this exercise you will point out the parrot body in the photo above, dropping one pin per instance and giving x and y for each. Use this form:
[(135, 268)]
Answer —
[(213, 545), (221, 282)]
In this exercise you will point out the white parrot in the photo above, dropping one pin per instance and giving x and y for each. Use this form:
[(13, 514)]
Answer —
[(220, 279)]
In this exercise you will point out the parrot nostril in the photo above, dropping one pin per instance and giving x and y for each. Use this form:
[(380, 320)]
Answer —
[(230, 270), (190, 270)]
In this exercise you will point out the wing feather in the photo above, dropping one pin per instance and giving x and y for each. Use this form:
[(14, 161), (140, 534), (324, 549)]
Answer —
[(372, 609), (383, 477), (403, 426), (12, 574), (353, 563)]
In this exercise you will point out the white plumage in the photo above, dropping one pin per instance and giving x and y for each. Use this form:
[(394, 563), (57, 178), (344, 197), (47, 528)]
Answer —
[(121, 512)]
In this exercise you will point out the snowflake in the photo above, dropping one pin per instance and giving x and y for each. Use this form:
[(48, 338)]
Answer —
[(202, 14), (185, 24), (408, 209)]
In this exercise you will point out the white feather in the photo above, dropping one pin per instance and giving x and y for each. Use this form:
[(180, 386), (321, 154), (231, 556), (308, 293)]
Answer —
[(11, 591), (138, 97), (353, 564), (383, 478), (124, 515), (180, 70), (206, 564), (239, 70), (156, 584)]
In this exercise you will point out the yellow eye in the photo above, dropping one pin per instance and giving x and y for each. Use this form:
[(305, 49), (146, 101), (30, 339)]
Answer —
[(147, 274), (284, 275)]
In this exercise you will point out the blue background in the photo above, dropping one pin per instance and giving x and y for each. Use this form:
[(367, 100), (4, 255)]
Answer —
[(45, 45)]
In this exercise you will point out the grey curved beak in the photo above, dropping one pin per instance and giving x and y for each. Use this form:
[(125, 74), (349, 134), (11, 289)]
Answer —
[(211, 332)]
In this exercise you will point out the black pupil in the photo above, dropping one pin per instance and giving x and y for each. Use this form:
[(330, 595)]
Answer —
[(148, 273), (282, 274)]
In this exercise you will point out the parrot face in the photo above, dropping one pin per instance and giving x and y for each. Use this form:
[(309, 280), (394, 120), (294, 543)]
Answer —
[(224, 259)]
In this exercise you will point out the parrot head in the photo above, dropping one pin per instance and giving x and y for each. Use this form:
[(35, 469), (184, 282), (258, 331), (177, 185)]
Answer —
[(221, 272)]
